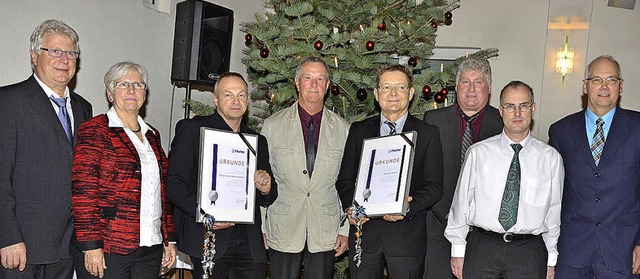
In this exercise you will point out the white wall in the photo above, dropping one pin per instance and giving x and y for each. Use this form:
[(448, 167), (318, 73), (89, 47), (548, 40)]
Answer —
[(115, 30), (112, 31)]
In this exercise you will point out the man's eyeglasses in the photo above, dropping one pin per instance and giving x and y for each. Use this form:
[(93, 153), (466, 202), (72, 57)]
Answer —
[(599, 80), (126, 85), (73, 55), (524, 107), (400, 88)]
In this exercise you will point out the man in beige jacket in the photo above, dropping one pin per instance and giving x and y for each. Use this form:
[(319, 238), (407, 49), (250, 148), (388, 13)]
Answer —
[(303, 224)]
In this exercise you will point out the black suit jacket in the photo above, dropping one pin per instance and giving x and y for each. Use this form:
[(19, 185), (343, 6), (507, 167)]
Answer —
[(400, 238), (35, 171), (182, 189), (448, 121)]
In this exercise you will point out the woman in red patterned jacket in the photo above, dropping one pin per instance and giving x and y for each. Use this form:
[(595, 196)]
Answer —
[(123, 221)]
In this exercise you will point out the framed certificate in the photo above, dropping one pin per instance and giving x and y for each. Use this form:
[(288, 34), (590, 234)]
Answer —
[(384, 174), (225, 181)]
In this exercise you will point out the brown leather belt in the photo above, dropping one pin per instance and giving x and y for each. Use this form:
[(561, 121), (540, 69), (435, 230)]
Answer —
[(506, 237)]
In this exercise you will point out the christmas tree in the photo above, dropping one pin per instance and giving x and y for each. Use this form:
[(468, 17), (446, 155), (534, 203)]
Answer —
[(355, 38)]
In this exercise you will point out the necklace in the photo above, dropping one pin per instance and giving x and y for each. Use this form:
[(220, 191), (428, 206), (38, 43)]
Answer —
[(139, 128)]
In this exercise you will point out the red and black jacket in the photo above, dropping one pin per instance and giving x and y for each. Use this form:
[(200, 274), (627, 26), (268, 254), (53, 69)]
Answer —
[(107, 186)]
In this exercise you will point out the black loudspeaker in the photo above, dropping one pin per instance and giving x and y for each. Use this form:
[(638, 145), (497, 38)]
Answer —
[(201, 42)]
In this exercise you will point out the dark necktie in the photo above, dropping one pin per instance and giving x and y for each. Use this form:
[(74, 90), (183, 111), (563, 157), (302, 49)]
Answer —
[(63, 116), (598, 141), (467, 136), (392, 127), (508, 215), (311, 147)]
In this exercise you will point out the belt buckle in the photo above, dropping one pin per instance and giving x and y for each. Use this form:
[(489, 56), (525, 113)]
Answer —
[(505, 237)]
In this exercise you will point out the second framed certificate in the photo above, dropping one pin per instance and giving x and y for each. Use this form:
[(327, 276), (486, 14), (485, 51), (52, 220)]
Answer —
[(384, 174), (225, 182)]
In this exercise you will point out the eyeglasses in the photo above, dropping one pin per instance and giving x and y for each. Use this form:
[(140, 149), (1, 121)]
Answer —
[(600, 80), (126, 85), (73, 55), (387, 88), (524, 107)]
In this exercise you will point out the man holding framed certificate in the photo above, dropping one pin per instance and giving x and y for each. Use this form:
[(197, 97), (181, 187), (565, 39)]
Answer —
[(238, 246), (393, 238)]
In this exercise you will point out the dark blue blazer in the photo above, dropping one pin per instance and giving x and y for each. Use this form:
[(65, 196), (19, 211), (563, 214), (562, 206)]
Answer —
[(601, 204)]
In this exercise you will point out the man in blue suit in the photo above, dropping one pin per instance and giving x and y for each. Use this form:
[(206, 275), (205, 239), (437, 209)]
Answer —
[(600, 230)]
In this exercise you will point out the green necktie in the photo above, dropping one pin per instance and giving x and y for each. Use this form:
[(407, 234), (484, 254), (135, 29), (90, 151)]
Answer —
[(509, 207)]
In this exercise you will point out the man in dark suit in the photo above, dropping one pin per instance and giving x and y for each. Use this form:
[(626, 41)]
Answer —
[(238, 247), (36, 144), (600, 230), (472, 115), (395, 239)]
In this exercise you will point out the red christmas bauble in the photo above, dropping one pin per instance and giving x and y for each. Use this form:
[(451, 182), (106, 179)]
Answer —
[(318, 45), (426, 91), (335, 90), (248, 37), (448, 21), (448, 15), (264, 53), (444, 91), (382, 26), (439, 98), (434, 25), (412, 62), (361, 94), (370, 45)]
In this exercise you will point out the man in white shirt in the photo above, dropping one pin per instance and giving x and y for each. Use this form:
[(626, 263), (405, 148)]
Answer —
[(508, 230)]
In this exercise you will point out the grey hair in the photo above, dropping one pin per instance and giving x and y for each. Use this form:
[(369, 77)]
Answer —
[(475, 65), (120, 69), (603, 57), (52, 26), (311, 59)]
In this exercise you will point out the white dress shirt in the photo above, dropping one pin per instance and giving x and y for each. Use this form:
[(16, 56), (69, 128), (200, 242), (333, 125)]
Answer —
[(150, 201), (481, 183)]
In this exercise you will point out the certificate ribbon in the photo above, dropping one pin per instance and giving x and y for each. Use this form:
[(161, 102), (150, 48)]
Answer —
[(253, 151), (209, 246)]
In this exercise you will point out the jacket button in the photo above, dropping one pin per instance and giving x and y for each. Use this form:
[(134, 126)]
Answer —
[(597, 175), (598, 199), (597, 224), (304, 171), (308, 194)]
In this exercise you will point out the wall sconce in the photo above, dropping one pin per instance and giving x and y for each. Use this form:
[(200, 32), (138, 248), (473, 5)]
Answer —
[(564, 62)]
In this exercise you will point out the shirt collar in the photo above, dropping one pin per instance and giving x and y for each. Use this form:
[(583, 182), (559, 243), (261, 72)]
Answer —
[(399, 123), (506, 142), (49, 91), (116, 122), (591, 117)]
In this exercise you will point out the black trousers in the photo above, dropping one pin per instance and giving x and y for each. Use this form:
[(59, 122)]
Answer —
[(438, 259), (236, 261), (143, 263), (372, 265), (491, 257), (62, 269), (287, 265)]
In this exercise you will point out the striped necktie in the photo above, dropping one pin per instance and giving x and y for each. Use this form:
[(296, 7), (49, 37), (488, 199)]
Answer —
[(598, 141)]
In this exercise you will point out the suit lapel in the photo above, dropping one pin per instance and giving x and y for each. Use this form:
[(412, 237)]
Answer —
[(42, 105), (78, 114), (615, 138), (580, 140)]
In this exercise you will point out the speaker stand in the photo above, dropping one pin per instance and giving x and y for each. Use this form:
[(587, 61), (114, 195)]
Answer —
[(187, 107)]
